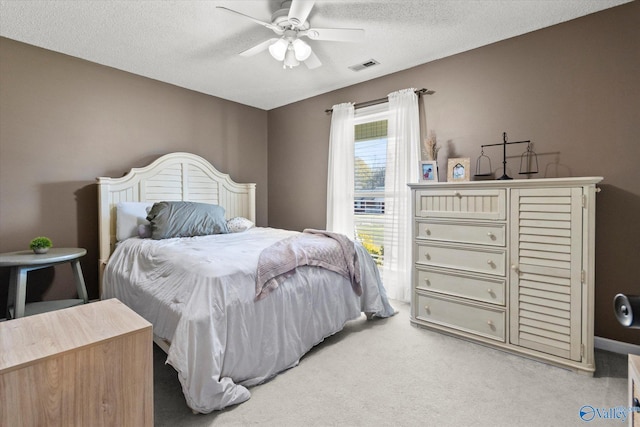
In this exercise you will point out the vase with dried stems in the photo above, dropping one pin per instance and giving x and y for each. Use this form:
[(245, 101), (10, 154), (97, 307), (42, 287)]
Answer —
[(430, 147)]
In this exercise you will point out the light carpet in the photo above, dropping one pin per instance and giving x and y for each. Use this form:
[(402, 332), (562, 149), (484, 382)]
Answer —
[(386, 372)]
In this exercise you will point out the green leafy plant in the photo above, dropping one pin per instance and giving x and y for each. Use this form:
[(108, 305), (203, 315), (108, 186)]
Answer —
[(40, 243)]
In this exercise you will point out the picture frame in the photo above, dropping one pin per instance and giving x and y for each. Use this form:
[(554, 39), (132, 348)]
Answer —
[(459, 169), (429, 171)]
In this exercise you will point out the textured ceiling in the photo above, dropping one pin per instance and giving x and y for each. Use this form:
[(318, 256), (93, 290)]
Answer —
[(194, 45)]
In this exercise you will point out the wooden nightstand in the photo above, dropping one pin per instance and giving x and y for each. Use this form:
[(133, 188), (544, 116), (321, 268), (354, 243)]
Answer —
[(21, 262), (89, 365)]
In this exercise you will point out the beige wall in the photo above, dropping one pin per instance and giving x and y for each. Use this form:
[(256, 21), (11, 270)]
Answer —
[(65, 121), (573, 89)]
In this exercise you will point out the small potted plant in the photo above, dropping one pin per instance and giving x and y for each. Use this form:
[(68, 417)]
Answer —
[(41, 245)]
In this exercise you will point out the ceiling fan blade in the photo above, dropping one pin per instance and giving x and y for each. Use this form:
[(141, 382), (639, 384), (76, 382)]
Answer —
[(312, 61), (334, 34), (259, 47), (257, 21), (299, 11)]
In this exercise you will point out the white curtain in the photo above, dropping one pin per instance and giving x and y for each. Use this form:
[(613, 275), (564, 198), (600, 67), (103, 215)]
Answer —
[(340, 180), (403, 156)]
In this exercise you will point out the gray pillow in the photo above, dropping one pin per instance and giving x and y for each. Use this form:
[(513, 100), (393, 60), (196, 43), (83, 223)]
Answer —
[(186, 219)]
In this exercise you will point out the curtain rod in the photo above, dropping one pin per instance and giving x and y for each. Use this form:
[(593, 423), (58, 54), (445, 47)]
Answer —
[(381, 100)]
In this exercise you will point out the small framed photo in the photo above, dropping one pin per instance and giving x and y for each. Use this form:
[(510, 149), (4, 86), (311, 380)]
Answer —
[(458, 169), (429, 171)]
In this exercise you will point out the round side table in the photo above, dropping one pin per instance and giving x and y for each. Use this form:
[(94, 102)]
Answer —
[(21, 262)]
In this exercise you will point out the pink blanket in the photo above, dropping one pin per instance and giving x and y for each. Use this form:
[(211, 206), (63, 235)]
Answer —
[(333, 251)]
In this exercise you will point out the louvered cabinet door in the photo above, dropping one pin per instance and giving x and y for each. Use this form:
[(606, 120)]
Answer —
[(546, 270)]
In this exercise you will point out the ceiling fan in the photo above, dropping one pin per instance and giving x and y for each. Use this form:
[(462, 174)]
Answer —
[(290, 24)]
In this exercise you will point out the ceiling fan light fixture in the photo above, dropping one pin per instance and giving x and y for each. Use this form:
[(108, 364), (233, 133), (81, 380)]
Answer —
[(290, 23), (279, 49), (290, 60), (301, 50)]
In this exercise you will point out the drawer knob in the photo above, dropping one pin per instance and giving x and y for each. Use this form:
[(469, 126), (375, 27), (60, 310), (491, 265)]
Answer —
[(490, 262), (427, 256), (427, 282), (491, 235), (514, 267), (456, 193), (490, 291), (426, 309), (427, 232), (491, 325)]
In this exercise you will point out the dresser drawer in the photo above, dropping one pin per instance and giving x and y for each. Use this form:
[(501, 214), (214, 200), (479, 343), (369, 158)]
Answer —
[(478, 259), (452, 231), (471, 286), (487, 322), (477, 203)]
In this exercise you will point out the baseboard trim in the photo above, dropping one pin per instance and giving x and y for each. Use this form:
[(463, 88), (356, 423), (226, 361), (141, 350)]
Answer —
[(616, 346)]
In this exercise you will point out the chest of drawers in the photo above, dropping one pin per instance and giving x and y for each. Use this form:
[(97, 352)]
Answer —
[(88, 365), (509, 264)]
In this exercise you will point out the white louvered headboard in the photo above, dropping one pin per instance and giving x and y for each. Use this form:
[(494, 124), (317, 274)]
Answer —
[(172, 177)]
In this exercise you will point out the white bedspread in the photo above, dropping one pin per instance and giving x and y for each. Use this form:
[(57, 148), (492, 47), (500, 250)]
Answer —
[(199, 293)]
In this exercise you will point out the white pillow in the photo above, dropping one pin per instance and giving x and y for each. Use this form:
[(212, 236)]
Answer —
[(238, 224), (129, 215)]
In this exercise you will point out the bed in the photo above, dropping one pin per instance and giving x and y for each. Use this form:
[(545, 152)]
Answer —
[(200, 292)]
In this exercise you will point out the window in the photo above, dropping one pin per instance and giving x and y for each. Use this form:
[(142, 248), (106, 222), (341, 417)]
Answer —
[(382, 224), (370, 168)]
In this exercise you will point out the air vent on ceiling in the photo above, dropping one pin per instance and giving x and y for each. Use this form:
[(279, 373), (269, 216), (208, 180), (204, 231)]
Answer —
[(366, 64)]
